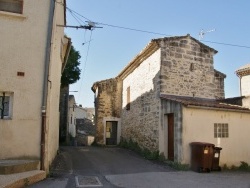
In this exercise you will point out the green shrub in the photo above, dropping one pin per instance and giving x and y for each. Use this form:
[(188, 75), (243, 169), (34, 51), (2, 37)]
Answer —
[(177, 166), (162, 157), (244, 166), (134, 146)]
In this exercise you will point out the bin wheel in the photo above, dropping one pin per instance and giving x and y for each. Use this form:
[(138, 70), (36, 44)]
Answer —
[(208, 170), (219, 168), (200, 169)]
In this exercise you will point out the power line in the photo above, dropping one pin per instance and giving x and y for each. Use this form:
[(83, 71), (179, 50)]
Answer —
[(132, 29), (227, 44), (85, 64), (151, 32)]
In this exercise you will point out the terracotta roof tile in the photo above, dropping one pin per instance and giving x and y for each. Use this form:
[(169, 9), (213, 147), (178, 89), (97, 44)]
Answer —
[(202, 102)]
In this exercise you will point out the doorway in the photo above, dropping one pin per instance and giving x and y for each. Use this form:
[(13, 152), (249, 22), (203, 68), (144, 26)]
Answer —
[(170, 125), (111, 132)]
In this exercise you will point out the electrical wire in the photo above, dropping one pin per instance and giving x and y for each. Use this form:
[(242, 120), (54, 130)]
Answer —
[(76, 18), (132, 29), (226, 44), (151, 32), (85, 64)]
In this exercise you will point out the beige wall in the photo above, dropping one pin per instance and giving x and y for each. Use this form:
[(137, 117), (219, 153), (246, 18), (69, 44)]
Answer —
[(23, 49), (54, 86), (23, 40), (245, 85), (198, 126)]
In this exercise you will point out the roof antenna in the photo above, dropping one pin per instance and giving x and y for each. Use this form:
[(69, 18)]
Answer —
[(202, 33)]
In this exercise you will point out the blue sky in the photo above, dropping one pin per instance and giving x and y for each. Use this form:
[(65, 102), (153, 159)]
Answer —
[(112, 48)]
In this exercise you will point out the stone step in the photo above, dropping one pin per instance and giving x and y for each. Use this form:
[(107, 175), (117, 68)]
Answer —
[(23, 179), (17, 166)]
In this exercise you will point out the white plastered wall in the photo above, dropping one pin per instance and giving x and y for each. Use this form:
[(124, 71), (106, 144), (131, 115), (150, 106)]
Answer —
[(198, 126)]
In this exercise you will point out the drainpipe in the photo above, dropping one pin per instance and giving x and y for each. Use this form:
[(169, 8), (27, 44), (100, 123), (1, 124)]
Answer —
[(45, 83)]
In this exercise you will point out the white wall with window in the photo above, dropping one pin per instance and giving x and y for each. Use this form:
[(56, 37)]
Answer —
[(6, 105), (224, 128), (13, 6)]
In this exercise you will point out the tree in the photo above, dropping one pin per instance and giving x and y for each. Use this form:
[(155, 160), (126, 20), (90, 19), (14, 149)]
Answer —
[(72, 71)]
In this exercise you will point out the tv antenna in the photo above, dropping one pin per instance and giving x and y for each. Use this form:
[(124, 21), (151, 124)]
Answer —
[(202, 33)]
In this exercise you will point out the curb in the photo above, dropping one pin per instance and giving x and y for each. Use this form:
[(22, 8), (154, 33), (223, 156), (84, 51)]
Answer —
[(23, 179)]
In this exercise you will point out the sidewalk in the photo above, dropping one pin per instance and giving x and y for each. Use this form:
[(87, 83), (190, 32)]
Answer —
[(19, 173)]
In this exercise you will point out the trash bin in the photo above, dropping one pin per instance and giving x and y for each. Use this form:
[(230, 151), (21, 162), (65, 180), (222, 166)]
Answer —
[(201, 156), (216, 159)]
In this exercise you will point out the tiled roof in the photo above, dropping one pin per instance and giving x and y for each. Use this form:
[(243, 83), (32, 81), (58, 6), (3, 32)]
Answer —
[(202, 102), (247, 66), (244, 70)]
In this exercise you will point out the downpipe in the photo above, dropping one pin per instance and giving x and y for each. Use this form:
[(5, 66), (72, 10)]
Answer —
[(45, 86)]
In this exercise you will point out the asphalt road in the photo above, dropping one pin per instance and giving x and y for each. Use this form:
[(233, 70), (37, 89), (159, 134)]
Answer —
[(116, 167)]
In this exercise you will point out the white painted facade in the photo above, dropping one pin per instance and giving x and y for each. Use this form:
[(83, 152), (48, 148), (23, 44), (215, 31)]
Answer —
[(80, 113), (141, 79), (198, 126), (245, 85), (22, 64)]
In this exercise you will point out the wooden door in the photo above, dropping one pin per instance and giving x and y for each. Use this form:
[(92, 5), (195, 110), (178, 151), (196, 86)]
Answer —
[(171, 137)]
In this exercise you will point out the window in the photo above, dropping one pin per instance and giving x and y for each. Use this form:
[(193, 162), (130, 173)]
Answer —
[(221, 130), (5, 105), (128, 99), (192, 67), (15, 6)]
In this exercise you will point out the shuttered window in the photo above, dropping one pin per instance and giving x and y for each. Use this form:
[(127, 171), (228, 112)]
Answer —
[(14, 6)]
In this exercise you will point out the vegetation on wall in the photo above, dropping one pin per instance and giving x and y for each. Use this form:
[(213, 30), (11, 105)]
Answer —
[(146, 153)]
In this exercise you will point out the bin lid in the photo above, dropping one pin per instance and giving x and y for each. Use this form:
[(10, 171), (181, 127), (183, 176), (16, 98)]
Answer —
[(201, 144), (218, 148)]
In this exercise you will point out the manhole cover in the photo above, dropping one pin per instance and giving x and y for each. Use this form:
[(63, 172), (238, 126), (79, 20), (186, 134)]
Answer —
[(87, 181)]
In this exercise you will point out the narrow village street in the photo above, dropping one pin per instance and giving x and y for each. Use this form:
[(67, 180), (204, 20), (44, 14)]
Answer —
[(116, 167)]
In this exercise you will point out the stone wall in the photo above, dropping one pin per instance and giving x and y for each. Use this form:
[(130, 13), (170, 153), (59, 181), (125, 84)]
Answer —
[(107, 104), (141, 122), (187, 69), (63, 108)]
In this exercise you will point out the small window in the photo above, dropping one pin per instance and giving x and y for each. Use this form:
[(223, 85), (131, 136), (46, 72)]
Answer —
[(128, 99), (192, 67), (14, 6), (221, 130), (5, 105)]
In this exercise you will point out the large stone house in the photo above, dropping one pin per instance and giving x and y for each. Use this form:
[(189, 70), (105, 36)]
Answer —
[(33, 52), (168, 96)]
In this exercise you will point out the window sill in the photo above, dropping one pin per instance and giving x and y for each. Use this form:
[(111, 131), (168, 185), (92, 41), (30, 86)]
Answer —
[(6, 118), (14, 15)]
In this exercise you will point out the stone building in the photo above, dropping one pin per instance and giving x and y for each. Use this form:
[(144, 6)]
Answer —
[(107, 108), (143, 102)]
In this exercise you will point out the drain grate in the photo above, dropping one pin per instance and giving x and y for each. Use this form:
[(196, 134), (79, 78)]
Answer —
[(87, 181)]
